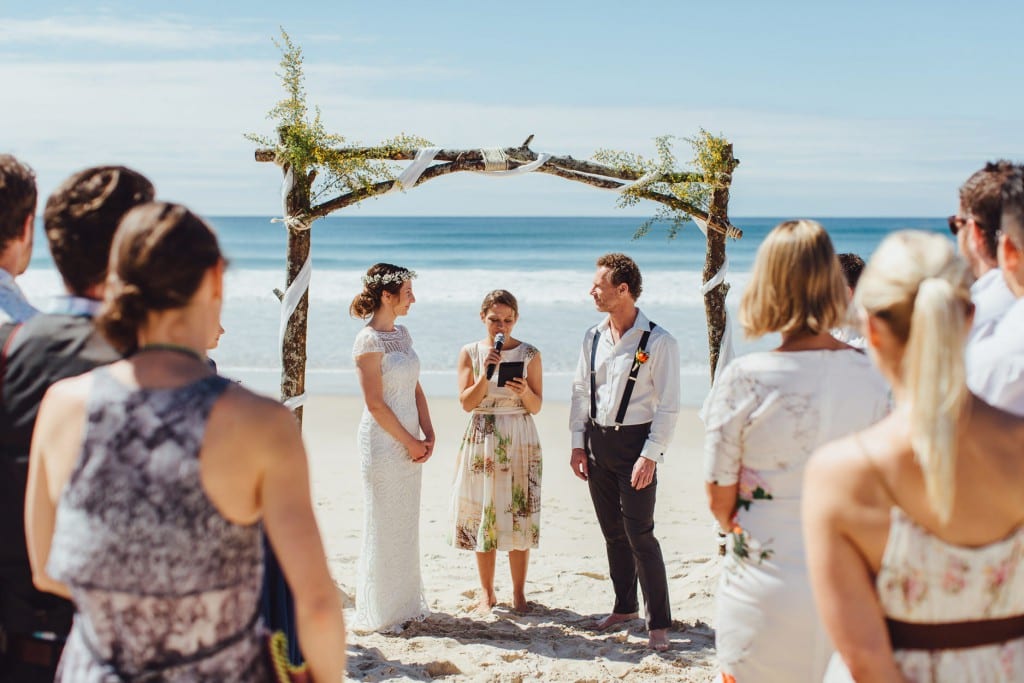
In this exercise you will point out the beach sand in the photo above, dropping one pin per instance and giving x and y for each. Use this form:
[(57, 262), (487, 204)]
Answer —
[(568, 581)]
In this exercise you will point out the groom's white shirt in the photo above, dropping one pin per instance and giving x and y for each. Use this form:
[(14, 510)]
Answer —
[(656, 394)]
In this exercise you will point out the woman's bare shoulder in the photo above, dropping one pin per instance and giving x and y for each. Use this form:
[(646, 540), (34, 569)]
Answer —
[(853, 468), (256, 415)]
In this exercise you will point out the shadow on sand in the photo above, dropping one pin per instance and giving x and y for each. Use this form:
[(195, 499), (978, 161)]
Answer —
[(550, 633)]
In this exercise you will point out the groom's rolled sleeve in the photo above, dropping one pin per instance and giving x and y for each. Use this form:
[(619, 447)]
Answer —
[(665, 376), (579, 407)]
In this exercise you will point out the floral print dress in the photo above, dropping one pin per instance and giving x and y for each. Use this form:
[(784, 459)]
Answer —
[(766, 414), (923, 579), (496, 498), (165, 588)]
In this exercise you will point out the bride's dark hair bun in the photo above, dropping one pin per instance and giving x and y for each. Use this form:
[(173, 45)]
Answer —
[(379, 278)]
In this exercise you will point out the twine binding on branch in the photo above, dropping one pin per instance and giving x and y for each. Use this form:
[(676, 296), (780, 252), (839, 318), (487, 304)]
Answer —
[(542, 159), (495, 159)]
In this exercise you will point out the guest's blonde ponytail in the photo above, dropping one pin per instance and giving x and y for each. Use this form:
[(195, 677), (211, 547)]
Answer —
[(920, 288), (935, 381)]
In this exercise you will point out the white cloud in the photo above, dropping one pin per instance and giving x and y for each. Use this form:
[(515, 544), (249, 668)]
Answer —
[(181, 122), (158, 33)]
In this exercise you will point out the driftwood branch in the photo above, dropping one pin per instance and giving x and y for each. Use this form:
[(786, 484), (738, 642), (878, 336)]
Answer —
[(714, 259), (456, 160), (517, 156)]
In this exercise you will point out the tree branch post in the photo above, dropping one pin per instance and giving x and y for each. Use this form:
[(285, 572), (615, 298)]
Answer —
[(714, 259), (293, 346)]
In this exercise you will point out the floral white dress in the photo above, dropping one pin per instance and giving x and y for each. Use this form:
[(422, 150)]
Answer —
[(496, 498), (766, 414), (389, 590), (923, 579)]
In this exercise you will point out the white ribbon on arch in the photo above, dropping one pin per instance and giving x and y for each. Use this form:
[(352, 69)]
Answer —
[(424, 157), (298, 287)]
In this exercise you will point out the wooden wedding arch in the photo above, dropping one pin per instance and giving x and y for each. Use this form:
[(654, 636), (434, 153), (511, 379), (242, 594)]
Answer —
[(323, 173)]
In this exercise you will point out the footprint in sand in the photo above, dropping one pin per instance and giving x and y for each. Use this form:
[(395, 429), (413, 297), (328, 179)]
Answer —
[(593, 575), (442, 668)]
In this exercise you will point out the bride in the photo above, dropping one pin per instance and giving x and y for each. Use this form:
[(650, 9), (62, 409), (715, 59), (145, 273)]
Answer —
[(389, 591)]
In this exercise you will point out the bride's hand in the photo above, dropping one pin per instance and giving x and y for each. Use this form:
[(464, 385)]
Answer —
[(418, 451)]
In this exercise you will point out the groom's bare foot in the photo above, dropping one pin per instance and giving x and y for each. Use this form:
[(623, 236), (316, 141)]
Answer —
[(657, 639), (614, 619), (519, 604)]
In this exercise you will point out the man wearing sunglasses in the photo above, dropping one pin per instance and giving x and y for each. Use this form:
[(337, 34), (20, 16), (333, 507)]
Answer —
[(976, 228), (997, 362)]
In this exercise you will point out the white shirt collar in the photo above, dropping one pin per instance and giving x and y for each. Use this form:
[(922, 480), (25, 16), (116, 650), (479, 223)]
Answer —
[(641, 323)]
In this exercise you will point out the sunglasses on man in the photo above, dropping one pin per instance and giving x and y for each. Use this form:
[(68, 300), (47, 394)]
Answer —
[(956, 223)]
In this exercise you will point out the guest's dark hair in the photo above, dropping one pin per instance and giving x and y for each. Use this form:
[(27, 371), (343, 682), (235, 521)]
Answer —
[(1012, 221), (852, 266), (380, 278), (981, 198), (82, 215), (17, 198), (160, 254), (499, 296), (621, 269)]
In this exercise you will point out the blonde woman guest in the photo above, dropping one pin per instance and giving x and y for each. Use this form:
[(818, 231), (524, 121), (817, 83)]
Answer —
[(149, 479), (496, 501), (767, 413), (395, 438), (914, 526)]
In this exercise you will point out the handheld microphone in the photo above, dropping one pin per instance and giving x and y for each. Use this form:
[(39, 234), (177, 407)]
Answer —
[(499, 341)]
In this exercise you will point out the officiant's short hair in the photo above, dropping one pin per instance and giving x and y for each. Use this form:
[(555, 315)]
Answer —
[(796, 284)]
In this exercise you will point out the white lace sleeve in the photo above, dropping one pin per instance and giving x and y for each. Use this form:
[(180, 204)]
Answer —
[(730, 405), (366, 342)]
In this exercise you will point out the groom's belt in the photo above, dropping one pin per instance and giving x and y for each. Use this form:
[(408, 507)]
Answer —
[(593, 426)]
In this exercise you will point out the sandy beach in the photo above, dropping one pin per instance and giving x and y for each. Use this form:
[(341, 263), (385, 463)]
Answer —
[(568, 581)]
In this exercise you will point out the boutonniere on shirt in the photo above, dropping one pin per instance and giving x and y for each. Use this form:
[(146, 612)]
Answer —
[(640, 357)]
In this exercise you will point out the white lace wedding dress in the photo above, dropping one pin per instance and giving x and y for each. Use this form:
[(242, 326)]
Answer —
[(389, 591)]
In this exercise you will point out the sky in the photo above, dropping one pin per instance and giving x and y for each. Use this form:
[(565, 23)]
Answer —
[(834, 109)]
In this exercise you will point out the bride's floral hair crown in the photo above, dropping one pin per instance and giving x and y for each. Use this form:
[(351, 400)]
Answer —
[(384, 279)]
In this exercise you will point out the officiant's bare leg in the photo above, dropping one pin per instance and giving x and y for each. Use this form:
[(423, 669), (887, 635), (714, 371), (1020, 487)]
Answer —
[(657, 639), (485, 568), (518, 563), (614, 619)]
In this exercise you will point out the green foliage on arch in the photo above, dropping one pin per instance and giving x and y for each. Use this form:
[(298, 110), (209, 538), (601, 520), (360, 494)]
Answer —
[(304, 144), (708, 166)]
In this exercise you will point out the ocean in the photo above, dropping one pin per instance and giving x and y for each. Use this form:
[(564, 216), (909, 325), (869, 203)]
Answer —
[(547, 263)]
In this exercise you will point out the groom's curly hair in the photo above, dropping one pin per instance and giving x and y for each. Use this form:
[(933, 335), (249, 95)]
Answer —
[(621, 269)]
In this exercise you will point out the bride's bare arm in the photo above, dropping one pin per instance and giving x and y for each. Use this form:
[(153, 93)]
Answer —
[(371, 380), (426, 425)]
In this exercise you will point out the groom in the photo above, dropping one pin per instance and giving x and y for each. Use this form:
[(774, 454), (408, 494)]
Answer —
[(625, 401)]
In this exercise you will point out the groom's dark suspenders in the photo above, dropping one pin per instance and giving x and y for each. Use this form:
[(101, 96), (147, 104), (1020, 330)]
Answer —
[(630, 381)]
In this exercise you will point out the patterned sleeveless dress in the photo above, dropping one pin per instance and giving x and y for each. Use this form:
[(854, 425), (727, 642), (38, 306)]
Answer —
[(496, 498), (926, 580), (166, 589)]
